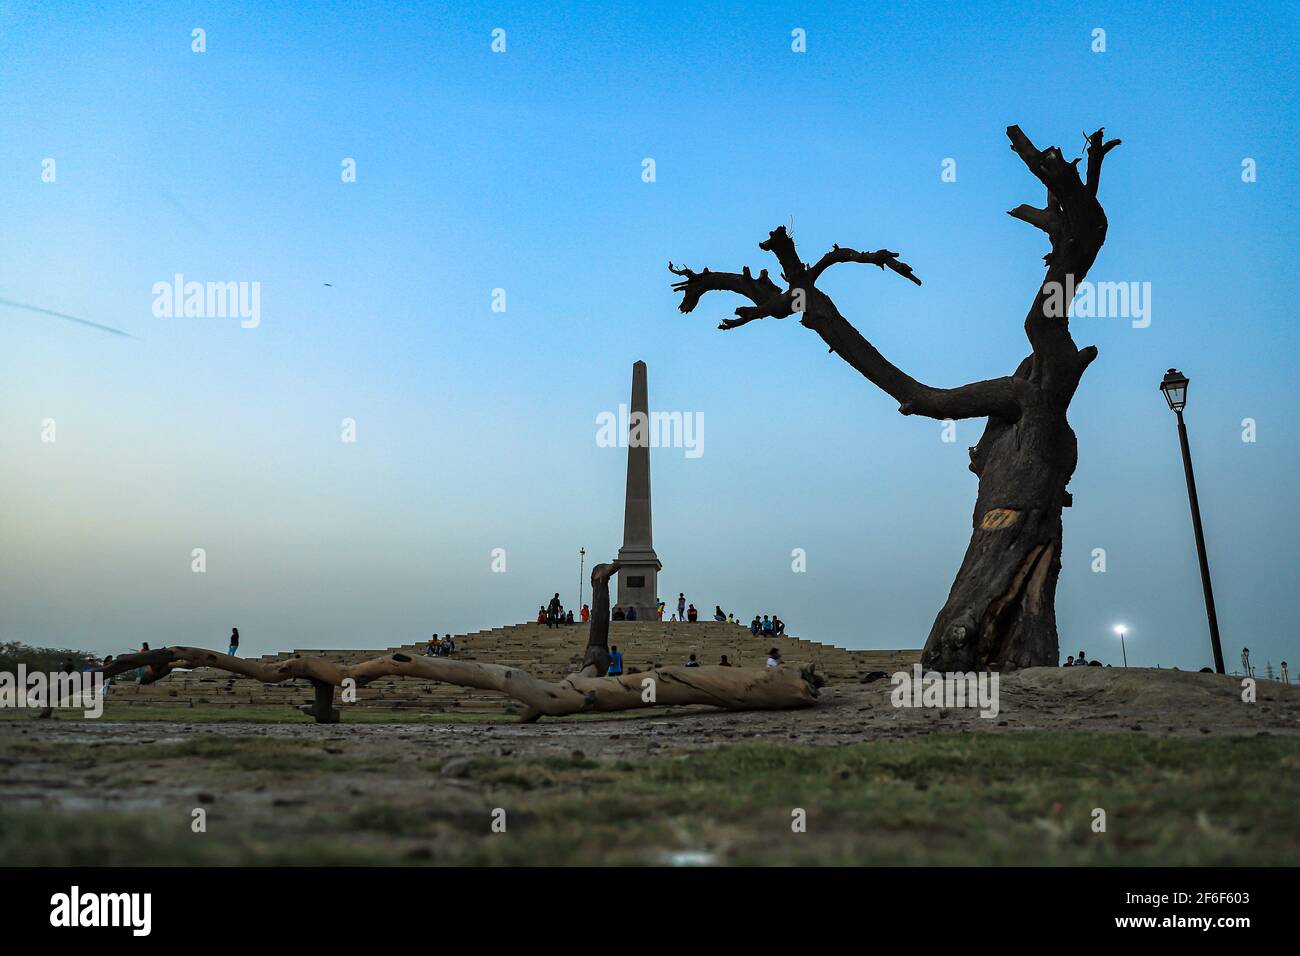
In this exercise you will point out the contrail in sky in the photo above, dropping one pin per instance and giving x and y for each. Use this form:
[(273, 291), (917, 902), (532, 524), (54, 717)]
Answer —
[(70, 318)]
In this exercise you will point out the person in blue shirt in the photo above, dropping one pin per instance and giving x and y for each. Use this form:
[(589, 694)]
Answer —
[(767, 625), (615, 663)]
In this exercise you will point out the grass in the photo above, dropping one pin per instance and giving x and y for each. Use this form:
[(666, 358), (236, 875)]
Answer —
[(1011, 798), (280, 714), (253, 713)]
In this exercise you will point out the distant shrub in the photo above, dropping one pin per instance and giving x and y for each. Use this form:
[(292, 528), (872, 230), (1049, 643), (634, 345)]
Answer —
[(45, 659)]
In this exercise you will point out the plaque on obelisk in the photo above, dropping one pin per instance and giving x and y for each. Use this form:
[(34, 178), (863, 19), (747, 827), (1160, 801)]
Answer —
[(638, 575)]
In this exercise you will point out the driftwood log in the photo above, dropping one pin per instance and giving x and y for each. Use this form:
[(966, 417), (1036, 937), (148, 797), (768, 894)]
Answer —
[(733, 688), (1001, 611)]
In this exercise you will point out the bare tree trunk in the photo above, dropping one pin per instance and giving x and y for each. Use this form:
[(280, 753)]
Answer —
[(734, 688), (1001, 610), (595, 661)]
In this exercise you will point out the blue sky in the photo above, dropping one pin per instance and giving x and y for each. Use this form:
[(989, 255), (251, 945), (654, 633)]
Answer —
[(522, 171)]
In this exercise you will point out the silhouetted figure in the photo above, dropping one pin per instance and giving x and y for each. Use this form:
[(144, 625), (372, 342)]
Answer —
[(234, 642), (724, 662), (619, 615), (692, 661)]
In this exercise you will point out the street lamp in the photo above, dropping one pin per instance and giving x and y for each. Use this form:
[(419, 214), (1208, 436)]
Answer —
[(582, 558), (1174, 386), (1119, 629)]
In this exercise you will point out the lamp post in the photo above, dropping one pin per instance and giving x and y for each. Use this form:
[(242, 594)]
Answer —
[(1119, 629), (582, 557), (1174, 386)]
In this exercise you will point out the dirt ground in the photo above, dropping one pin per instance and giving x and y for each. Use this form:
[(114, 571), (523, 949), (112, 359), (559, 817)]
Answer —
[(422, 790), (1157, 702)]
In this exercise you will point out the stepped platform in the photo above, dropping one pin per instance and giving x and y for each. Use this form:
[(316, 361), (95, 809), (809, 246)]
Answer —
[(547, 653)]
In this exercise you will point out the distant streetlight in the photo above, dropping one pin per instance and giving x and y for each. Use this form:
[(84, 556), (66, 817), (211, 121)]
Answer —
[(1119, 629), (582, 557), (1174, 386)]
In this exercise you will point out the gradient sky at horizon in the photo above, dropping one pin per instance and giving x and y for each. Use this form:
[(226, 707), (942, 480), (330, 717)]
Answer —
[(476, 430)]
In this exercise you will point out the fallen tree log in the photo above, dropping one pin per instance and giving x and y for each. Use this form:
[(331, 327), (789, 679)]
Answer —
[(733, 688), (587, 691)]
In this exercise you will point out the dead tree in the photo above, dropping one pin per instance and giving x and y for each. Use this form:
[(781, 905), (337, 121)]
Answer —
[(588, 691), (595, 660), (1001, 610), (733, 688)]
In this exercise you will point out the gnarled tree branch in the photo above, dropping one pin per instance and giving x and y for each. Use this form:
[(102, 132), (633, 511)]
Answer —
[(1001, 396), (1075, 224), (735, 688), (762, 291), (881, 257)]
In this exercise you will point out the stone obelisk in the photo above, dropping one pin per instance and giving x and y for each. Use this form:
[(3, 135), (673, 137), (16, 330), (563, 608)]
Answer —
[(638, 576)]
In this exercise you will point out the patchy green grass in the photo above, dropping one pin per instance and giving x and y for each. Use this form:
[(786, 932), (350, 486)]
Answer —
[(1013, 798), (279, 714), (255, 714)]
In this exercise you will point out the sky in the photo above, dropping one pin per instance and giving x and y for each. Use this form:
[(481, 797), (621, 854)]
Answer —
[(524, 171)]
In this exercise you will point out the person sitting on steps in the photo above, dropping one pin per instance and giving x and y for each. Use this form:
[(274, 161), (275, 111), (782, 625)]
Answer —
[(619, 615), (692, 615), (692, 661)]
